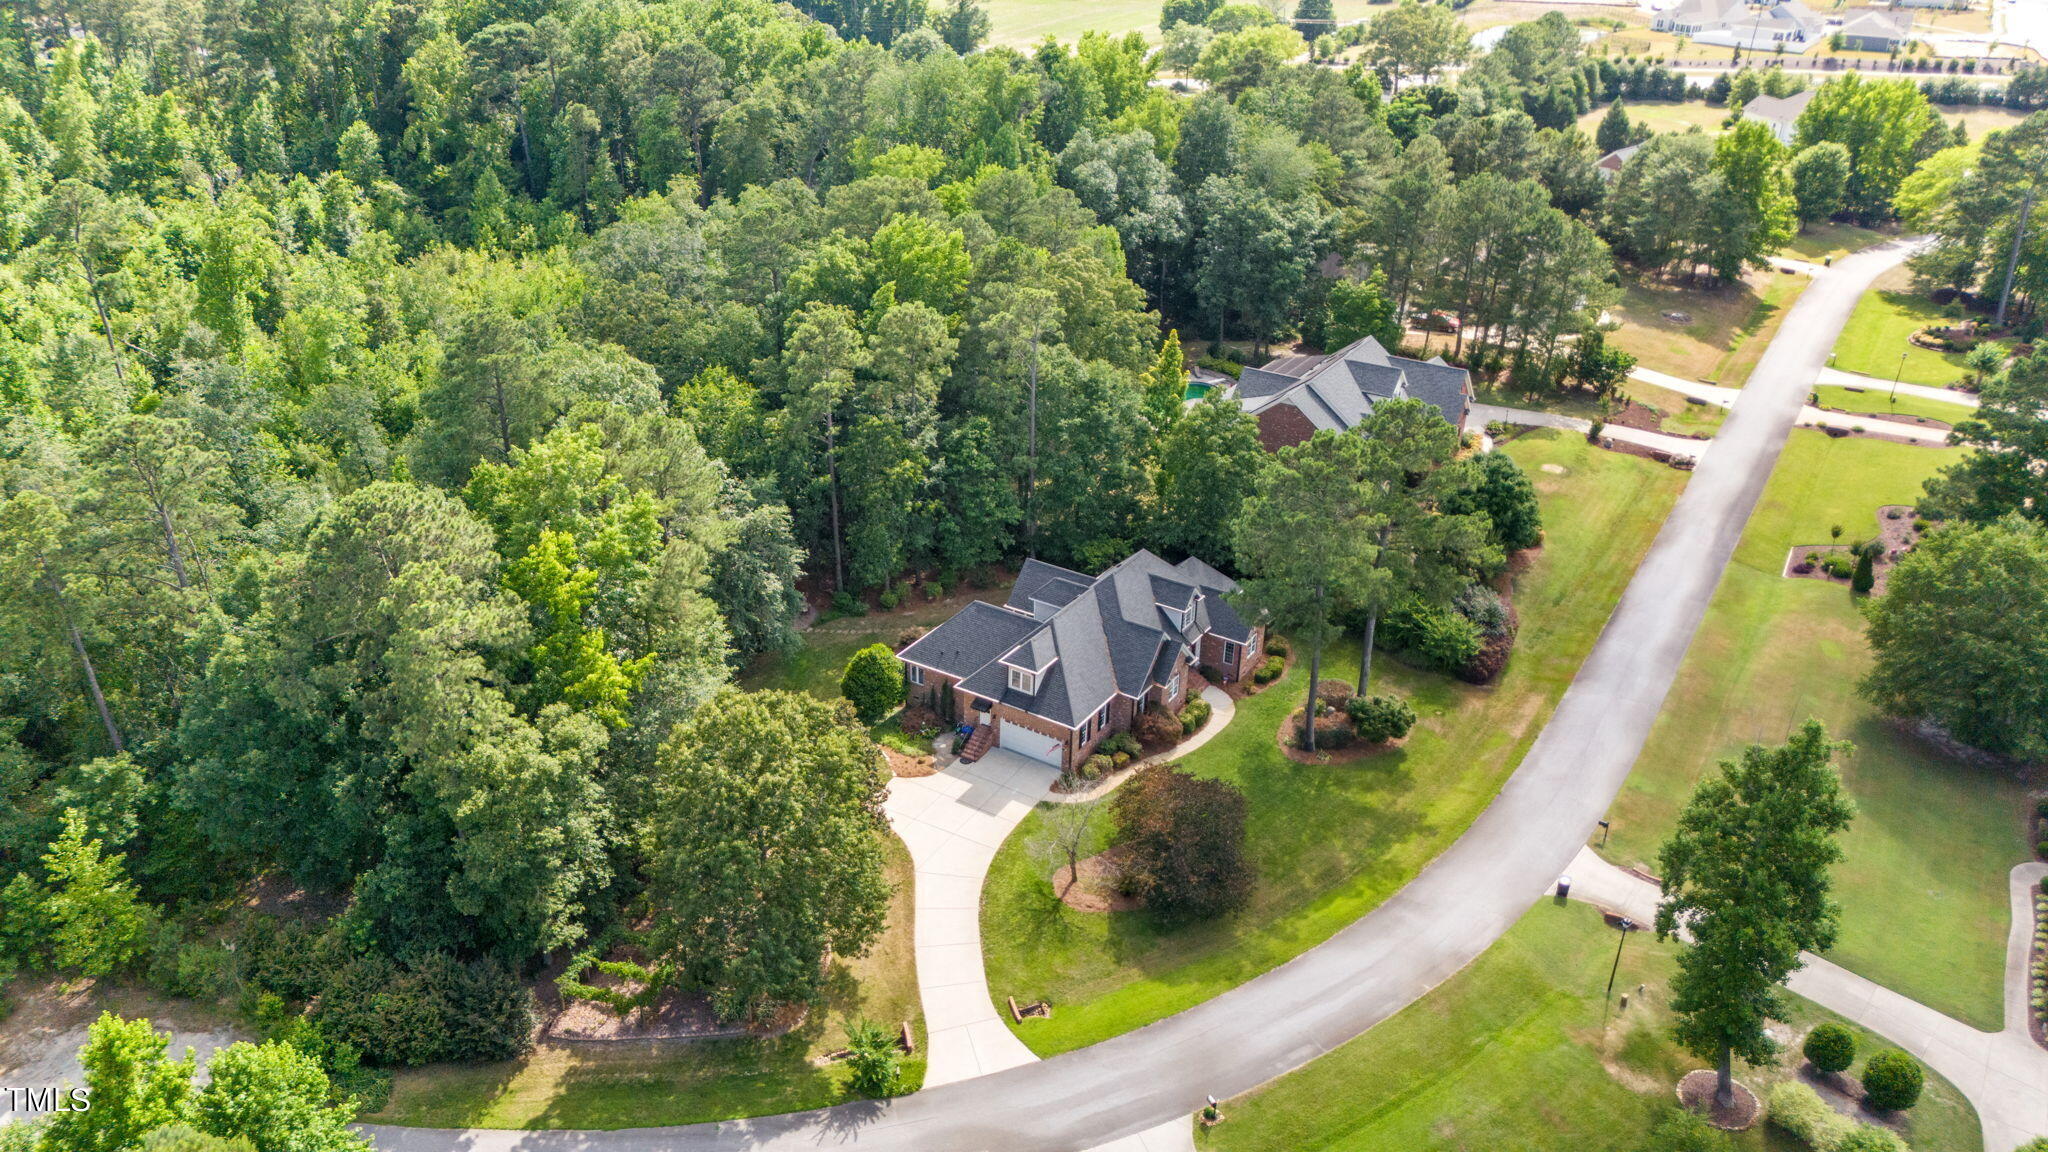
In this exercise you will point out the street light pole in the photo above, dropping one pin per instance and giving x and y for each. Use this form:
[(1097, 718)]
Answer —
[(1895, 383), (1627, 926)]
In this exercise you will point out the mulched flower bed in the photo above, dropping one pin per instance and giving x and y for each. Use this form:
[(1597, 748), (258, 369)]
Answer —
[(1349, 754), (2037, 970), (1696, 1093), (1898, 536)]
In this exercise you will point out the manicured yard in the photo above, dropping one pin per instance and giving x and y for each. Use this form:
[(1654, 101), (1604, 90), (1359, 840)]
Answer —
[(1023, 23), (1519, 1051), (1877, 333), (1831, 241), (1662, 117), (1680, 416), (632, 1084), (1330, 843), (1923, 887), (1881, 401), (1725, 332)]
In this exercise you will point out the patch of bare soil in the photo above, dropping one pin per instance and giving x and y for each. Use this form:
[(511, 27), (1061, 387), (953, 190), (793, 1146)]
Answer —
[(1350, 754), (1097, 884), (1631, 448), (1696, 1093), (675, 1016), (40, 1040), (1867, 433)]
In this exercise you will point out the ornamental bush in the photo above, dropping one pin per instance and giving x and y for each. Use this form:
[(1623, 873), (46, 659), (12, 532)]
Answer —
[(1121, 744), (1800, 1110), (1158, 728), (1866, 574), (1869, 1138), (1830, 1047), (1195, 715), (1378, 719), (1333, 731), (1184, 839), (1892, 1080), (1269, 671), (873, 1058), (873, 681), (1438, 637)]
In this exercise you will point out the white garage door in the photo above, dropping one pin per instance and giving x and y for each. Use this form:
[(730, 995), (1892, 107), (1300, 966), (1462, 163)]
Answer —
[(1024, 742)]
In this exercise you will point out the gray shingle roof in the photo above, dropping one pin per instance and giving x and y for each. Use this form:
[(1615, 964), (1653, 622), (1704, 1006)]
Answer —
[(1338, 391), (1112, 636)]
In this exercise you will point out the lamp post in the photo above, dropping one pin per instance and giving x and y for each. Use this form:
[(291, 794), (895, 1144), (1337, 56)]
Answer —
[(1627, 926), (1603, 833), (1895, 383)]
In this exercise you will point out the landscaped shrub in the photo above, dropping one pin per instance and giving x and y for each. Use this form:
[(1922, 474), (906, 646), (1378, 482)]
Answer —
[(845, 603), (1800, 1110), (1378, 719), (873, 681), (1840, 565), (1158, 728), (1483, 607), (1830, 1047), (1269, 671), (1276, 646), (1438, 637), (909, 636), (1869, 1138), (1096, 767), (1892, 1080), (889, 598), (873, 1058), (1866, 574), (441, 1009), (1682, 1131), (1195, 715), (1121, 744), (1183, 836)]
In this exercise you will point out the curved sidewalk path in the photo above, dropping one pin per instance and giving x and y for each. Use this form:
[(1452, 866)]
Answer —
[(1460, 903), (2004, 1074)]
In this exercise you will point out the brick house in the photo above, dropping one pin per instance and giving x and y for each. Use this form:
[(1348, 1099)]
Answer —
[(1069, 659), (1294, 397)]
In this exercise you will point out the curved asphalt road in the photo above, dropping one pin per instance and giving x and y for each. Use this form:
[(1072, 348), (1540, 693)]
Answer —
[(1445, 917)]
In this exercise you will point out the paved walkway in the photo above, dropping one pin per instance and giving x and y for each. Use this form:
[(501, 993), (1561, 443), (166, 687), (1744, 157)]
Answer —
[(1222, 710), (1873, 384), (1675, 445), (2004, 1074), (1439, 922), (1809, 416), (953, 822)]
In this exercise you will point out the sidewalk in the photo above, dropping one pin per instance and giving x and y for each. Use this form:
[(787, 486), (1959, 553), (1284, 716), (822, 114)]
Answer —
[(1222, 710), (1810, 416), (1872, 384), (1675, 445)]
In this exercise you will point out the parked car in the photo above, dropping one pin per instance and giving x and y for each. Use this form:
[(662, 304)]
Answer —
[(1437, 322)]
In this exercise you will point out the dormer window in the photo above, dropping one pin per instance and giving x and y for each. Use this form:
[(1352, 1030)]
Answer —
[(1023, 681)]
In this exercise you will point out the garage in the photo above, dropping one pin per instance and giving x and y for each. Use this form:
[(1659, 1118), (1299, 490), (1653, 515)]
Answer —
[(1024, 742)]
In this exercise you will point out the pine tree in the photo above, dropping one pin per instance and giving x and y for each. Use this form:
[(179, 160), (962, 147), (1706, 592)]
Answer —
[(1614, 130), (1166, 382)]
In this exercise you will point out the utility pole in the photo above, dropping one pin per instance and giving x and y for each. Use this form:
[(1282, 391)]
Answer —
[(2012, 262)]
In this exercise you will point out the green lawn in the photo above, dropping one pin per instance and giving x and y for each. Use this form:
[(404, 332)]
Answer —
[(1923, 885), (1023, 23), (1881, 401), (1330, 843), (633, 1084), (1681, 417), (1830, 241), (1726, 330), (1877, 333), (1519, 1051), (1662, 117)]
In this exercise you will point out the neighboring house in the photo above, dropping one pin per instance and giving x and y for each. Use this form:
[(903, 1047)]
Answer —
[(1784, 25), (1781, 113), (1875, 29), (1070, 659), (1294, 397), (1610, 165)]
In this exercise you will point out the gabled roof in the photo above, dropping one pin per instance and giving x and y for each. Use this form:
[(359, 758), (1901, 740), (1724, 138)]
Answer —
[(1613, 161), (1880, 23), (1780, 109), (1338, 391), (1108, 634)]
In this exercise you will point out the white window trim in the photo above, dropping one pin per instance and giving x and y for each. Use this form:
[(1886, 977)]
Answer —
[(1023, 680), (916, 674)]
